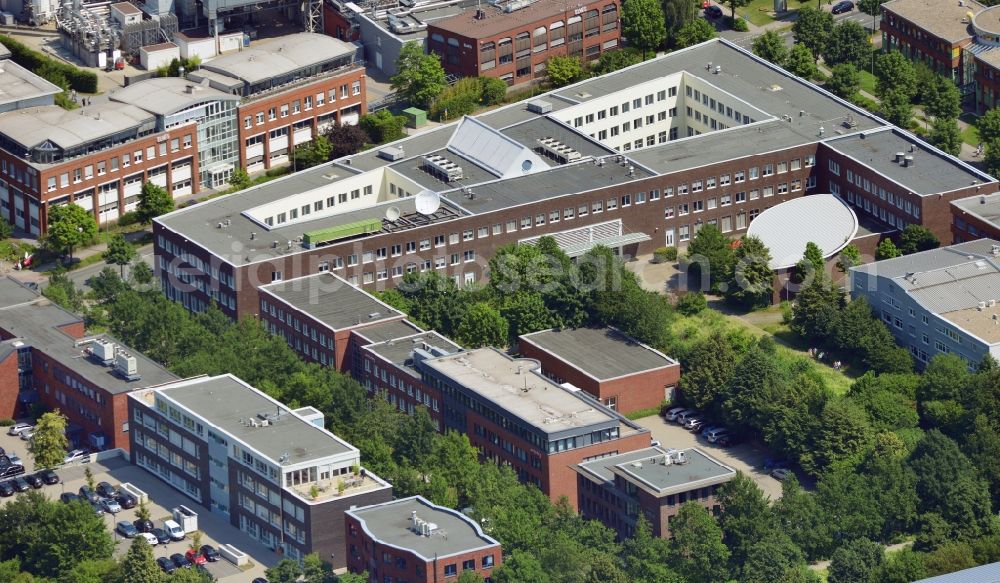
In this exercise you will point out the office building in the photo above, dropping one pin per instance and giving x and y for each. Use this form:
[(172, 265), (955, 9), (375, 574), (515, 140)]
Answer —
[(619, 371), (976, 217), (274, 472), (413, 540)]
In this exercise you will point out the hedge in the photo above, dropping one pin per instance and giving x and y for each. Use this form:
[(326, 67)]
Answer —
[(80, 80)]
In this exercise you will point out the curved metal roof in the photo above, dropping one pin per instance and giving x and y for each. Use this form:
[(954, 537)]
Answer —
[(823, 219), (167, 95)]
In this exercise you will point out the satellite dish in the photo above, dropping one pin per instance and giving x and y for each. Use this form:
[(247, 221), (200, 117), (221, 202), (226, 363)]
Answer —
[(427, 202), (392, 213)]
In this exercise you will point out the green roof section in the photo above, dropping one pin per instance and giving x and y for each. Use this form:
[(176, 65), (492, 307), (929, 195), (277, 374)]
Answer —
[(320, 236)]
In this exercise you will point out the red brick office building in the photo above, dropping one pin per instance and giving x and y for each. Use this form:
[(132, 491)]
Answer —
[(621, 372), (413, 540), (512, 40)]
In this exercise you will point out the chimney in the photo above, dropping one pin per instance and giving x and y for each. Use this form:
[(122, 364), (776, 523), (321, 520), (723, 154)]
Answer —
[(909, 161), (899, 157)]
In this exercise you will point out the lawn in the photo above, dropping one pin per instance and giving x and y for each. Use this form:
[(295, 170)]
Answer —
[(970, 135), (867, 82), (761, 12)]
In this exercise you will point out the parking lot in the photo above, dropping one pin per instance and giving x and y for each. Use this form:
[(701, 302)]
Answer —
[(746, 457), (215, 528)]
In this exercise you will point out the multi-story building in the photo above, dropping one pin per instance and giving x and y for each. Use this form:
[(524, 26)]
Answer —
[(274, 472), (413, 540), (513, 39), (46, 358), (621, 372), (976, 217), (291, 89), (515, 415), (939, 301), (651, 482), (634, 160), (22, 88)]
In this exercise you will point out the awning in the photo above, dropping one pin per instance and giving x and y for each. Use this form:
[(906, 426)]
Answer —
[(614, 241)]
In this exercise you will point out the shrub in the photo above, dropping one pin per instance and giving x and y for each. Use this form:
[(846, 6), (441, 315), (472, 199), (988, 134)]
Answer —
[(129, 218), (786, 312), (6, 422), (739, 25), (460, 99), (665, 254), (691, 303), (492, 90)]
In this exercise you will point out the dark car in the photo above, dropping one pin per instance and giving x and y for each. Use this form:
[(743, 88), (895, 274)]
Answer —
[(11, 470), (180, 561), (843, 7), (126, 500), (126, 529), (143, 525), (48, 476), (6, 489), (106, 490), (161, 535), (97, 509), (34, 480), (259, 580), (713, 12), (210, 554), (727, 440), (67, 497), (90, 495), (166, 565), (21, 485)]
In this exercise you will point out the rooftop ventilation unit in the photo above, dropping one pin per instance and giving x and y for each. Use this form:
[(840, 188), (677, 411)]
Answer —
[(995, 250), (103, 350), (391, 153), (126, 366), (539, 106), (443, 167), (558, 150), (908, 161)]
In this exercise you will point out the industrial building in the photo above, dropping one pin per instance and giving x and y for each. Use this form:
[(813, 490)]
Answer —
[(275, 473), (634, 160)]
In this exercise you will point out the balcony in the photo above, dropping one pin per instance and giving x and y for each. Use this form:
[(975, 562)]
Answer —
[(338, 487)]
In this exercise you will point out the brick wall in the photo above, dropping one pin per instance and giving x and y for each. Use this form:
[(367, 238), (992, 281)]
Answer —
[(9, 385)]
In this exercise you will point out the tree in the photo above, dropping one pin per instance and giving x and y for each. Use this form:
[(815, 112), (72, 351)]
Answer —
[(120, 252), (69, 226), (284, 571), (692, 303), (946, 135), (799, 515), (469, 577), (992, 158), (138, 566), (858, 561), (713, 248), (772, 47), (812, 29), (801, 62), (6, 230), (312, 153), (894, 72), (239, 180), (950, 486), (382, 126), (481, 326), (989, 126), (563, 70), (612, 61), (845, 81), (696, 31), (48, 445), (141, 273), (872, 8), (142, 511), (313, 569), (754, 279), (154, 201), (848, 43), (903, 566), (521, 567), (886, 250), (941, 98), (353, 578), (645, 556), (711, 365), (916, 238), (745, 517), (346, 140), (677, 13), (850, 256), (643, 25), (420, 77), (816, 308), (897, 107), (87, 571), (697, 550), (733, 5)]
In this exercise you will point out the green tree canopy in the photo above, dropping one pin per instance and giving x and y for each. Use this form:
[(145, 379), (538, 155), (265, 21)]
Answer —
[(611, 61), (916, 238), (946, 135), (382, 126), (120, 252), (812, 29), (6, 230), (481, 326), (239, 180), (643, 25), (139, 566), (676, 14), (887, 250), (696, 549), (989, 126), (710, 258), (754, 278), (897, 107), (734, 4), (858, 561), (693, 32), (284, 571), (941, 98), (312, 153), (801, 62), (894, 72), (420, 77), (848, 43), (845, 81), (69, 226), (772, 47), (346, 139), (563, 70), (850, 256), (48, 445), (154, 200), (991, 160)]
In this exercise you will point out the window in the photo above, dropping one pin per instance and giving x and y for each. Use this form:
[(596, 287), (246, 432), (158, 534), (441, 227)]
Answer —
[(450, 570)]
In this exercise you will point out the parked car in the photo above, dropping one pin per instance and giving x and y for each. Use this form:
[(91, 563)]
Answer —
[(166, 565), (259, 580), (14, 459), (106, 490), (98, 510), (683, 416), (90, 495), (27, 434), (11, 470), (708, 429), (714, 435), (842, 7), (126, 529), (48, 476), (713, 12), (149, 538), (17, 428), (143, 525), (21, 485), (210, 554), (126, 500), (180, 561), (111, 505), (672, 413), (694, 424), (74, 456), (174, 530), (727, 440), (195, 557), (6, 489), (780, 473), (34, 481), (67, 497), (161, 535)]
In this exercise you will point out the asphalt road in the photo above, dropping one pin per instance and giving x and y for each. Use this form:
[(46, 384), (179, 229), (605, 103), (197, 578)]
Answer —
[(81, 276)]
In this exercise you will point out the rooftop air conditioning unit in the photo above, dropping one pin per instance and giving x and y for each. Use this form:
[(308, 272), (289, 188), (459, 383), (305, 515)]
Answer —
[(126, 365), (391, 153), (103, 350), (539, 106)]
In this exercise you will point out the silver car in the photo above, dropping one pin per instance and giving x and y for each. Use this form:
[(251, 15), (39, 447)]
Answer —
[(111, 505)]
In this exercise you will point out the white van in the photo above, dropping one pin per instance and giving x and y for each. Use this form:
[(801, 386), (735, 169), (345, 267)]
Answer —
[(174, 530)]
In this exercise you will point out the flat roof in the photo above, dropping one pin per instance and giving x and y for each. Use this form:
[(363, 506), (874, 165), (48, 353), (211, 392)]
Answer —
[(167, 95), (20, 84), (67, 129), (646, 469), (126, 8), (982, 574), (4, 52), (985, 207), (158, 47), (13, 292), (602, 353), (280, 56), (786, 228), (932, 172), (391, 523), (38, 325), (516, 386), (941, 19), (496, 20), (333, 301), (399, 350), (386, 331), (227, 403)]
